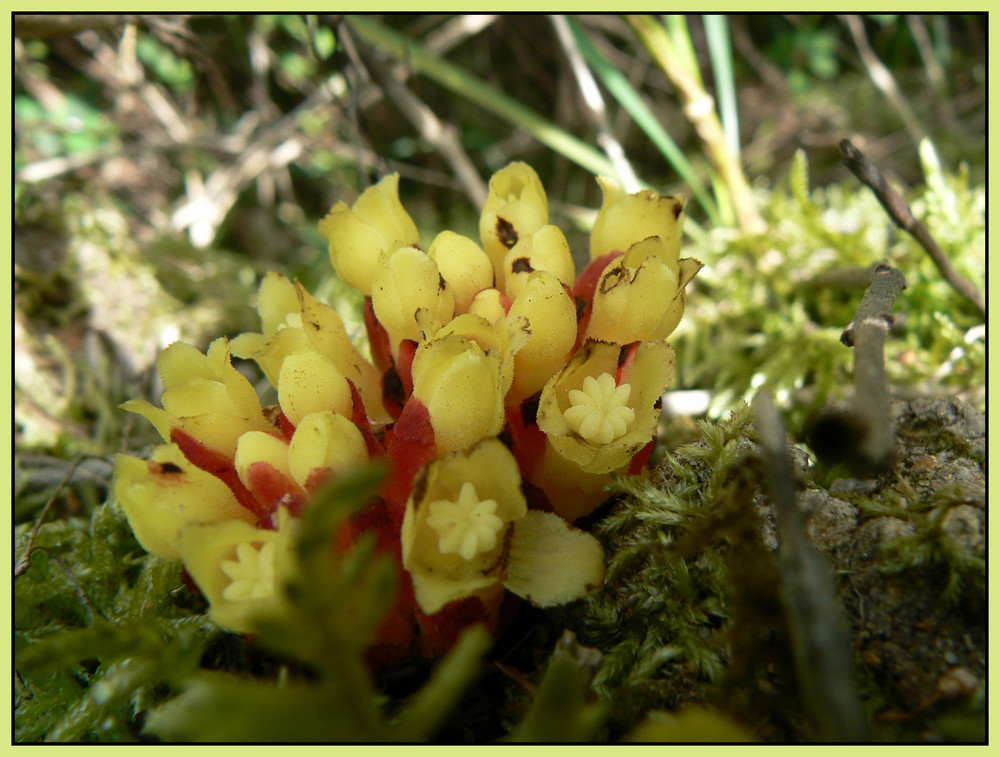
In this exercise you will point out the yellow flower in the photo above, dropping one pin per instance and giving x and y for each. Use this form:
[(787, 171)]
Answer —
[(409, 296), (165, 495), (515, 207), (625, 219), (239, 568), (204, 396), (640, 295), (292, 320), (598, 412), (462, 376), (358, 235), (467, 528)]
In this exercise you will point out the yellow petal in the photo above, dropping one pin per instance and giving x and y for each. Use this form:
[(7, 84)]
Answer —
[(460, 385), (489, 305), (406, 281), (221, 555), (651, 371), (550, 562), (551, 319), (544, 250), (515, 206), (257, 446), (325, 440), (625, 219), (358, 235), (163, 496), (463, 265), (327, 333), (308, 383)]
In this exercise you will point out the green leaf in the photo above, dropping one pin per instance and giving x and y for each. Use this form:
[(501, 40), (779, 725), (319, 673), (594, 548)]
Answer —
[(562, 711)]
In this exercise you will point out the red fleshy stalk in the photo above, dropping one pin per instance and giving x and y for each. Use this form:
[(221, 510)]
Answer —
[(378, 338), (220, 466), (527, 441), (410, 445), (440, 631), (272, 488), (359, 417), (640, 459)]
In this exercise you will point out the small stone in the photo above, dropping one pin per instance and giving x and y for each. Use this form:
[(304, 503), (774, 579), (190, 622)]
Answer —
[(963, 525), (832, 521)]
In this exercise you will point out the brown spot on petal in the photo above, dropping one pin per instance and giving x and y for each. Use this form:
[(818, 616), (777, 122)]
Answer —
[(158, 468), (506, 233), (521, 265), (614, 277), (678, 208)]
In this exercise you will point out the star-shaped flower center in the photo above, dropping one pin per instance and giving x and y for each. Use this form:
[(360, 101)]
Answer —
[(252, 573), (467, 527), (599, 412)]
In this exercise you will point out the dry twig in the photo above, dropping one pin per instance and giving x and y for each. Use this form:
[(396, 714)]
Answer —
[(862, 435)]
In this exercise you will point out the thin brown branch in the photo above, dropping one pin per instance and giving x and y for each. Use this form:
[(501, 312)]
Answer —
[(900, 213), (443, 137), (882, 77), (24, 561), (819, 638)]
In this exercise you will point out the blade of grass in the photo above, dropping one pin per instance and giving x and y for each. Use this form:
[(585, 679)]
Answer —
[(721, 53), (699, 108), (481, 93), (625, 94)]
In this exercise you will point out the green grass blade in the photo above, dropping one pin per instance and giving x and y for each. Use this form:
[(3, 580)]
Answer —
[(721, 53), (626, 95), (481, 93)]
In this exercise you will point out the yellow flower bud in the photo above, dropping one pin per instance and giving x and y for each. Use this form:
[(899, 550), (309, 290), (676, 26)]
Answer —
[(376, 223), (256, 446), (542, 250), (309, 382), (205, 396), (409, 295), (640, 295), (515, 206), (489, 304), (464, 266), (551, 317), (163, 496), (592, 419), (625, 219), (327, 441), (461, 385)]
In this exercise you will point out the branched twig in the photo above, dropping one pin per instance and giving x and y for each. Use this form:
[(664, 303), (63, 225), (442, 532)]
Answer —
[(863, 435), (900, 213), (443, 137), (819, 638)]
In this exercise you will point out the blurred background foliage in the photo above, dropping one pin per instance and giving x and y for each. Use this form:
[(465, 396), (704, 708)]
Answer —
[(163, 164)]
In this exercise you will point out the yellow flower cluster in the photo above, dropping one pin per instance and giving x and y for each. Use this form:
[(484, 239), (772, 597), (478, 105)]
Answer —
[(503, 389)]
